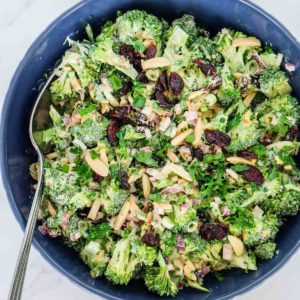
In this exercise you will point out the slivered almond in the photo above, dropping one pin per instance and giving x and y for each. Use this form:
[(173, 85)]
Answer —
[(181, 172), (232, 174), (196, 94), (52, 155), (199, 129), (237, 75), (149, 217), (122, 216), (97, 165), (280, 145), (240, 160), (94, 209), (189, 270), (51, 209), (246, 42), (146, 185), (237, 245), (103, 156), (133, 206), (246, 119), (248, 99), (181, 126), (172, 156), (135, 176), (156, 62), (180, 138)]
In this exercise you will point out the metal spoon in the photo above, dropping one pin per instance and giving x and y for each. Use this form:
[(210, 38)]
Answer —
[(39, 120)]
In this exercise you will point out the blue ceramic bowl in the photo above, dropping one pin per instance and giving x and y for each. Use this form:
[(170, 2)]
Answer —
[(17, 152)]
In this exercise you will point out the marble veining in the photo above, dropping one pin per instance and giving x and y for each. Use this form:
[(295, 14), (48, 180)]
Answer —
[(20, 23)]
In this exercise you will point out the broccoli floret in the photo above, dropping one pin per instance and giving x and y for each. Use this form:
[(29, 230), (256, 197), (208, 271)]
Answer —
[(228, 94), (271, 60), (158, 279), (146, 255), (234, 56), (235, 199), (265, 230), (277, 115), (136, 25), (245, 134), (206, 48), (103, 52), (247, 261), (99, 232), (122, 264), (94, 255), (92, 130), (185, 218), (285, 204), (274, 83), (113, 198), (60, 183), (265, 251), (82, 199), (130, 133), (167, 242)]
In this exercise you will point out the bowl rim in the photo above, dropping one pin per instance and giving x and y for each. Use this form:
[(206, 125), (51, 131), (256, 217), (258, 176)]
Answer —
[(4, 168)]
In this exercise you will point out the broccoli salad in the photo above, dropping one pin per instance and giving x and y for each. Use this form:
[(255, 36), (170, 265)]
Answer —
[(170, 154)]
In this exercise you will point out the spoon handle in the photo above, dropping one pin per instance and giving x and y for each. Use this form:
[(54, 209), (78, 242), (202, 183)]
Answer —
[(20, 269)]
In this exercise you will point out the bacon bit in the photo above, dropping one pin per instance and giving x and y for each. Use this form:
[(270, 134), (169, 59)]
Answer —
[(290, 67), (191, 117), (180, 243), (43, 230)]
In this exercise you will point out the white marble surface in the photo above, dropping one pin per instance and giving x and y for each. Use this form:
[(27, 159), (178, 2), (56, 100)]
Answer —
[(20, 23)]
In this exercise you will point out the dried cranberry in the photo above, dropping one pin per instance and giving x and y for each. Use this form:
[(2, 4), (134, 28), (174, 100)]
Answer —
[(247, 154), (253, 174), (150, 239), (197, 153), (142, 77), (122, 114), (151, 51), (217, 137), (124, 180), (210, 231), (162, 82), (126, 88), (112, 130), (206, 68), (97, 177), (134, 57), (293, 133), (163, 100), (176, 83)]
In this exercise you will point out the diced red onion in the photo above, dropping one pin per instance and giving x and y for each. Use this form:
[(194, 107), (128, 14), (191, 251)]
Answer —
[(67, 120), (191, 117), (180, 243), (195, 202), (94, 186), (43, 230)]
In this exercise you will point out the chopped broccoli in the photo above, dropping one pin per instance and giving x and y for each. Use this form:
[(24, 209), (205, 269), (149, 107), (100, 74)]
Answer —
[(94, 255), (100, 232), (92, 130), (265, 230), (185, 218), (146, 255), (271, 60), (122, 264), (158, 279), (265, 251), (274, 83), (135, 26), (247, 261), (277, 115), (113, 198)]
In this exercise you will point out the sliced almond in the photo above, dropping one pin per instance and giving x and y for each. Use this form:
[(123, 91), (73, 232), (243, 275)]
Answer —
[(240, 160), (172, 156), (280, 145), (135, 176), (197, 94), (189, 271), (237, 245), (94, 209), (237, 75), (246, 119), (246, 42), (51, 209), (248, 99), (156, 62), (180, 138), (52, 155), (146, 186), (232, 174), (133, 206), (227, 252), (288, 168), (180, 171), (97, 165), (103, 156), (122, 216)]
